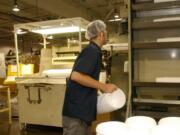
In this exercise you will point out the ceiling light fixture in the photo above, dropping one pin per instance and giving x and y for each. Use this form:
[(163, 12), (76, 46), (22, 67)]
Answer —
[(50, 37), (116, 20), (116, 14), (20, 31), (15, 7), (58, 30), (173, 54)]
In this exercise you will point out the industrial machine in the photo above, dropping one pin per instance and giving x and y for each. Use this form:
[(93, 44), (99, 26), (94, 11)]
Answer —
[(41, 96)]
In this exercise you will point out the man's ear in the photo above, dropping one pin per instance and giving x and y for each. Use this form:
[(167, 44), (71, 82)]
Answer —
[(101, 34)]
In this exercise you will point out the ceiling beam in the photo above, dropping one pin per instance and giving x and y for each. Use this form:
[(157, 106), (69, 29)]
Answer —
[(80, 3), (63, 8), (13, 17), (110, 4), (7, 37), (5, 30)]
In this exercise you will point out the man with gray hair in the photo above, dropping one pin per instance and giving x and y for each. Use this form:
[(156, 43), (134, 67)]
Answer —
[(80, 104)]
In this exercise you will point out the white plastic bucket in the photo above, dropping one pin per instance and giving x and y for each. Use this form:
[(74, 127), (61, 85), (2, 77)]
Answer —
[(170, 121), (111, 128), (165, 130), (108, 102), (140, 125)]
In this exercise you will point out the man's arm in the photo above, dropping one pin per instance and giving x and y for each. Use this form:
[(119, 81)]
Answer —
[(88, 81)]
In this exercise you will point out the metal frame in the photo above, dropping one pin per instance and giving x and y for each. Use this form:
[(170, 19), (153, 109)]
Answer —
[(8, 108), (129, 99), (78, 21)]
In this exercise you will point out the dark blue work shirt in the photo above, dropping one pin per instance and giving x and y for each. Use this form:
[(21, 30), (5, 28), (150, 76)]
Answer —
[(81, 101)]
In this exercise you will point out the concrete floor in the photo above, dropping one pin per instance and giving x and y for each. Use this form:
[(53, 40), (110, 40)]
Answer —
[(13, 129)]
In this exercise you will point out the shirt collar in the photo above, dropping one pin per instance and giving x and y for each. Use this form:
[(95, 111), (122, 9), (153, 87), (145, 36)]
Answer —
[(93, 43)]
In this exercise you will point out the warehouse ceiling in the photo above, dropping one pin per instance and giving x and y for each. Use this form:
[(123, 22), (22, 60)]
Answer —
[(37, 10)]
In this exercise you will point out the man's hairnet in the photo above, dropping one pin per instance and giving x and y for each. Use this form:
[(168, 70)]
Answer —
[(94, 28)]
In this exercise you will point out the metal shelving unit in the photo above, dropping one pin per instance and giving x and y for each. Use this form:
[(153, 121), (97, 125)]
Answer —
[(151, 58), (156, 84), (148, 6), (155, 45), (158, 25)]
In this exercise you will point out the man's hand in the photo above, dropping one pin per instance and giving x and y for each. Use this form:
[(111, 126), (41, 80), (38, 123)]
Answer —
[(88, 81), (108, 88)]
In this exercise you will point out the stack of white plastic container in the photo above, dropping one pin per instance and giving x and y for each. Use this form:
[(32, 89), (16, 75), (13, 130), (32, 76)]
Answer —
[(141, 125)]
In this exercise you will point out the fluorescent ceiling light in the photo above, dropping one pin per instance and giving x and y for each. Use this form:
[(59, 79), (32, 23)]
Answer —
[(173, 54), (116, 20), (19, 31), (50, 37), (116, 13), (15, 8), (58, 30), (116, 16), (47, 43)]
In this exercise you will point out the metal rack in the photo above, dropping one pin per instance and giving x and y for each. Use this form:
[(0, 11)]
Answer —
[(52, 27), (151, 58)]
